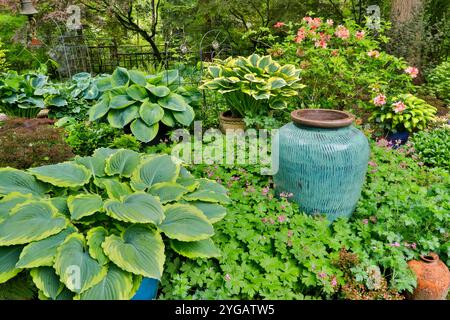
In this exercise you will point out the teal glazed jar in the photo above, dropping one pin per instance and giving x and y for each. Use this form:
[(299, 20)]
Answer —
[(323, 161)]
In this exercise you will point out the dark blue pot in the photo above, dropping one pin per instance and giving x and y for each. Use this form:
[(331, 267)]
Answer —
[(324, 168), (398, 136), (147, 290)]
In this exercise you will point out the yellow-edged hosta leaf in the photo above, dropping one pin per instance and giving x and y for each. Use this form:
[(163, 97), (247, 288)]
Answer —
[(122, 163), (31, 221), (209, 191), (114, 188), (140, 251), (196, 249), (75, 267), (168, 191), (46, 280), (83, 205), (144, 132), (95, 237), (67, 174), (151, 113), (10, 201), (154, 170), (213, 211), (13, 180), (185, 223), (173, 102), (8, 259)]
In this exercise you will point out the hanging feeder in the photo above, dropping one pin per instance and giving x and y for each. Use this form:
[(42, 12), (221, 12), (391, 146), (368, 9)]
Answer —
[(27, 8)]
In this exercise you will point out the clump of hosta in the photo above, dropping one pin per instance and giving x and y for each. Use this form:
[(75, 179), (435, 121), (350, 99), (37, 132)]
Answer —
[(253, 85), (92, 228)]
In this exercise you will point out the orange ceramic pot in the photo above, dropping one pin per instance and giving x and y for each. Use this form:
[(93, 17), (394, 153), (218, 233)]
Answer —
[(433, 278)]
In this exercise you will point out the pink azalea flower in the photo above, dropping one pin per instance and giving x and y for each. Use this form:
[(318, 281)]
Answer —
[(413, 245), (360, 35), (301, 35), (314, 23), (330, 22), (379, 100), (321, 43), (412, 71), (399, 107), (373, 53), (279, 25), (281, 219), (342, 32)]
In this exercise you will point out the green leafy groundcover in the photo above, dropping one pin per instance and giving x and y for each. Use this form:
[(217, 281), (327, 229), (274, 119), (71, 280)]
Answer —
[(93, 227), (270, 251)]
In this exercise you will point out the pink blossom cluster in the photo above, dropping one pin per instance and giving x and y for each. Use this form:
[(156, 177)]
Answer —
[(399, 106), (301, 35), (313, 23), (360, 35), (373, 53), (412, 71), (342, 32), (279, 24), (379, 100)]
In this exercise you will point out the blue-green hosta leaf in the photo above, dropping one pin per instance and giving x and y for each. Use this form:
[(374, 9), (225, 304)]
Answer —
[(120, 77), (114, 188), (67, 174), (10, 201), (100, 109), (95, 164), (60, 203), (144, 132), (140, 251), (278, 104), (43, 252), (8, 259), (160, 168), (83, 205), (159, 91), (253, 59), (185, 223), (117, 285), (103, 84), (120, 118), (168, 191), (137, 92), (75, 267), (187, 180), (185, 117), (137, 77), (209, 191), (151, 113), (138, 207), (213, 211), (196, 249), (31, 221), (118, 91), (173, 102), (264, 61), (13, 180), (168, 119), (46, 280), (91, 93), (120, 102), (276, 83), (95, 237), (122, 163), (170, 76)]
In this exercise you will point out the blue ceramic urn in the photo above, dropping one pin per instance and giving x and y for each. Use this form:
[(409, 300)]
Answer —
[(323, 161)]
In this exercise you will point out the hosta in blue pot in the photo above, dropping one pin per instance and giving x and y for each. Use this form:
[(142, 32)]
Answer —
[(147, 290)]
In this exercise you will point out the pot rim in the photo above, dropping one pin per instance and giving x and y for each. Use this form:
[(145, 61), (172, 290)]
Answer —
[(322, 118), (222, 116), (430, 258)]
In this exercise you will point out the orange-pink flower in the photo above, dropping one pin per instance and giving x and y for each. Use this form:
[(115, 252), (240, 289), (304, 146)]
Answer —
[(399, 106), (360, 35), (279, 24), (373, 53), (412, 71), (379, 100), (301, 35), (342, 32)]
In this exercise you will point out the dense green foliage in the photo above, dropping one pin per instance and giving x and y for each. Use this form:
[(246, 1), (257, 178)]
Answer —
[(29, 143), (438, 81), (101, 219), (286, 255), (433, 147)]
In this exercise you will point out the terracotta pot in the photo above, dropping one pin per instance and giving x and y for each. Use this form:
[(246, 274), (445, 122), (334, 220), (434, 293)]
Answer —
[(226, 122), (433, 278)]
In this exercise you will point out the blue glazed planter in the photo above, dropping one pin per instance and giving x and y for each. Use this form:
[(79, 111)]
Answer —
[(323, 163), (398, 136), (147, 290)]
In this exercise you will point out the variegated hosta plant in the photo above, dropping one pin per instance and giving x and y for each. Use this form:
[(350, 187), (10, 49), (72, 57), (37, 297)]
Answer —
[(130, 97), (93, 227), (253, 86)]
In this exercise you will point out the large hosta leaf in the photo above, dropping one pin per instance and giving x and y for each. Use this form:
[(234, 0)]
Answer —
[(83, 205), (209, 191), (120, 77), (100, 109), (120, 118), (95, 237), (196, 249), (46, 280), (151, 113), (10, 201), (168, 119), (75, 267), (159, 91), (173, 102), (114, 188), (214, 212), (43, 252), (95, 164), (154, 170), (144, 132), (186, 223), (8, 259), (140, 250), (168, 191), (137, 77), (13, 180), (187, 180), (123, 163), (117, 285), (120, 102), (137, 92), (138, 207), (31, 221), (185, 117), (67, 174)]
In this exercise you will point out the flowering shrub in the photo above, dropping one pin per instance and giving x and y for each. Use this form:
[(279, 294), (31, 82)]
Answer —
[(403, 112), (342, 65)]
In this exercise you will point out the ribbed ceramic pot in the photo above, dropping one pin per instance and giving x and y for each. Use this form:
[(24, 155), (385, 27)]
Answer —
[(323, 162)]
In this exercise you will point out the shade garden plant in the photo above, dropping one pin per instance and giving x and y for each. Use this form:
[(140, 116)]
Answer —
[(103, 218)]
